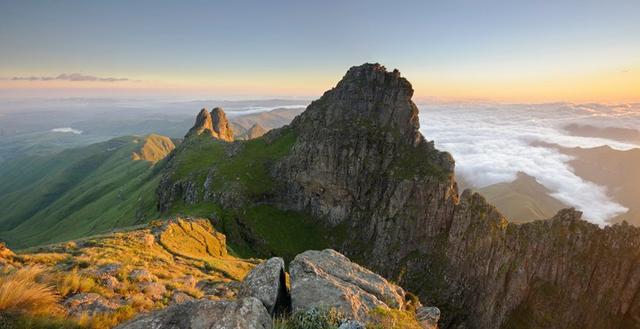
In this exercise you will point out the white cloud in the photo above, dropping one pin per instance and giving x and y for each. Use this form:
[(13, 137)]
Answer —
[(66, 130), (491, 143)]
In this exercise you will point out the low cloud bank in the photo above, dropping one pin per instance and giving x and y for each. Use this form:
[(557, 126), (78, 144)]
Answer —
[(491, 143), (70, 77)]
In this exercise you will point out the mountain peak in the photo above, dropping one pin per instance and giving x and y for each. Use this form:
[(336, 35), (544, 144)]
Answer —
[(214, 123), (368, 97)]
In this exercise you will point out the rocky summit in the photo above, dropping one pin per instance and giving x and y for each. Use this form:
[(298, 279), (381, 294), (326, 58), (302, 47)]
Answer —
[(213, 123)]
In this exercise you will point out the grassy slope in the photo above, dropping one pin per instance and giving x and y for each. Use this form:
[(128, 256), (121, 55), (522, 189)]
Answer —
[(75, 193), (253, 229)]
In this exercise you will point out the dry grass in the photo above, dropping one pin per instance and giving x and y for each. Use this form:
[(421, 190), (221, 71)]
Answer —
[(69, 283), (21, 292), (109, 320), (86, 266), (381, 318)]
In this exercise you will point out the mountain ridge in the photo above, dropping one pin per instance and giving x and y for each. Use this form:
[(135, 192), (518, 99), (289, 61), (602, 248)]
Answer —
[(359, 167)]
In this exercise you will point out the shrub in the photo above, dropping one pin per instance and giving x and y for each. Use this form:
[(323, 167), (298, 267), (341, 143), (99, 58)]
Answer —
[(107, 320), (22, 321), (20, 292), (312, 319), (383, 318)]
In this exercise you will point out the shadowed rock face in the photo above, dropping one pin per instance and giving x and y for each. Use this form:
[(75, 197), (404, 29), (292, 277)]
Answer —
[(214, 123), (361, 165)]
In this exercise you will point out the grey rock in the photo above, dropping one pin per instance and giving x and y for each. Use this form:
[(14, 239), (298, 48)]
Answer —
[(109, 282), (247, 313), (180, 297), (153, 290), (89, 303), (109, 269), (352, 324), (142, 275), (428, 317), (329, 279), (267, 282)]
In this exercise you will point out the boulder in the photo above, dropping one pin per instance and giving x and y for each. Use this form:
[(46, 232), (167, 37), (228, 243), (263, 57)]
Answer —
[(267, 282), (428, 317), (89, 303), (246, 313), (153, 290), (109, 269), (180, 297), (321, 279), (142, 275)]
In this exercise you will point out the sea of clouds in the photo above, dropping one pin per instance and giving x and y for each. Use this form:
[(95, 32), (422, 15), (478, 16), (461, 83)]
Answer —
[(491, 143)]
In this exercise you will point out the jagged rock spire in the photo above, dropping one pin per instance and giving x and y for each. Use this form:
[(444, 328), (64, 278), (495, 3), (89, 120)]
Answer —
[(221, 127), (214, 123)]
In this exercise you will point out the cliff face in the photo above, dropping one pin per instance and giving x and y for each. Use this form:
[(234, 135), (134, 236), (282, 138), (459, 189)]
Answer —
[(356, 162), (361, 165)]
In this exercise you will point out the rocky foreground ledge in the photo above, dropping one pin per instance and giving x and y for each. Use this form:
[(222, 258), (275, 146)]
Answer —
[(320, 281)]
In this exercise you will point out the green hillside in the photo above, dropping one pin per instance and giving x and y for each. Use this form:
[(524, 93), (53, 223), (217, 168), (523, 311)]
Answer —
[(76, 192)]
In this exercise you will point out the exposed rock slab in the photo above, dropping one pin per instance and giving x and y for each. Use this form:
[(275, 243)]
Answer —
[(246, 313), (267, 282), (329, 279)]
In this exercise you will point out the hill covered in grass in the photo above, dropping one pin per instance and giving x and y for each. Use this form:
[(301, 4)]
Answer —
[(98, 281), (81, 191)]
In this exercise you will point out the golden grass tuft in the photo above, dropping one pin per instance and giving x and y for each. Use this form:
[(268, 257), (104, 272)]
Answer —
[(383, 318), (21, 292), (68, 283)]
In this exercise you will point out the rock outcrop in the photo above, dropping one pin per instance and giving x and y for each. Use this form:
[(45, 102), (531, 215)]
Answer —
[(329, 279), (246, 313), (267, 282), (213, 123)]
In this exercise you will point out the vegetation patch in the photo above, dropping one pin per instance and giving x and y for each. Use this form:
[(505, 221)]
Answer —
[(249, 167), (419, 162), (386, 318)]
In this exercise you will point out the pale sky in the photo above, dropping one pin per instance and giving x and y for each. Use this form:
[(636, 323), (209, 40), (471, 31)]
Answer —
[(523, 51)]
